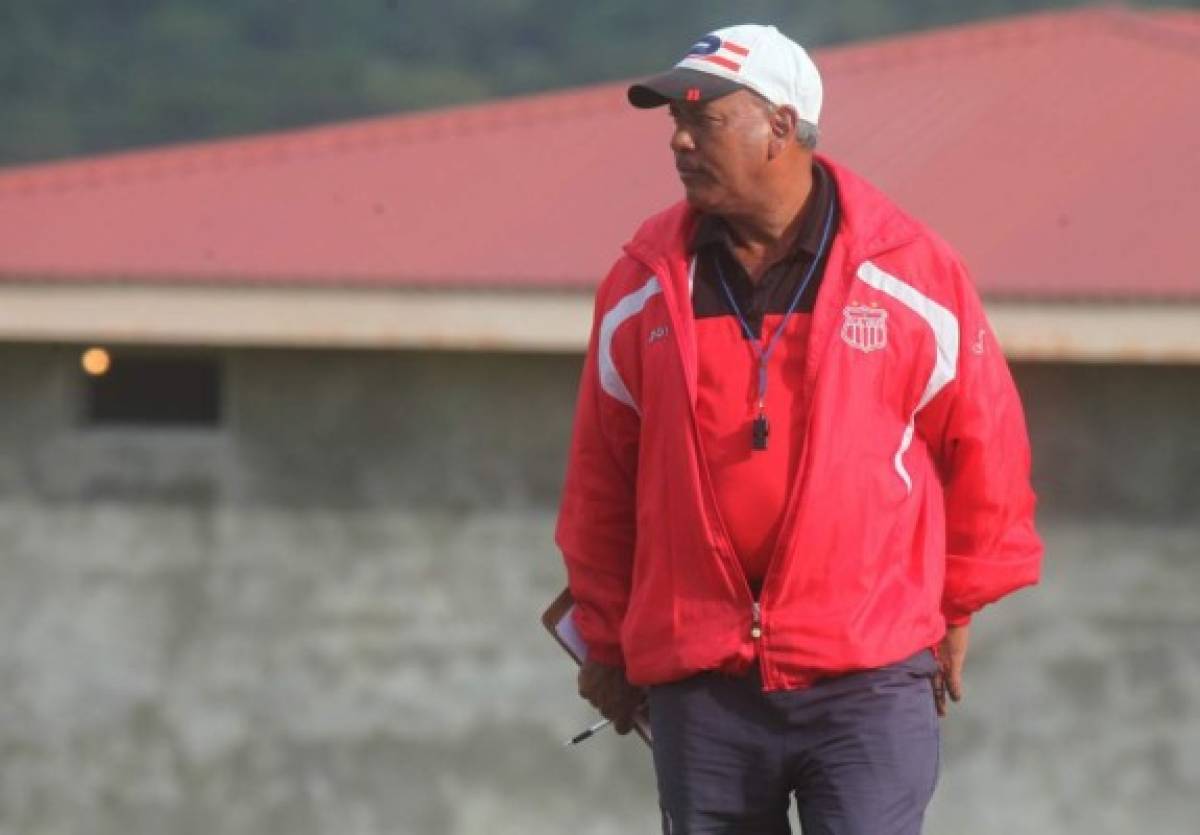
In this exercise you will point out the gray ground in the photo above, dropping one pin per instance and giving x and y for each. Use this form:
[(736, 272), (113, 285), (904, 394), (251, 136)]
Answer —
[(253, 693)]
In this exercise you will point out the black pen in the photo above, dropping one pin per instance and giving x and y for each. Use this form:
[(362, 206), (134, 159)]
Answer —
[(588, 733)]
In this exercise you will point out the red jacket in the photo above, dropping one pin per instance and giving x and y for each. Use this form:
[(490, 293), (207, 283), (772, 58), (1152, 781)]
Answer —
[(911, 507)]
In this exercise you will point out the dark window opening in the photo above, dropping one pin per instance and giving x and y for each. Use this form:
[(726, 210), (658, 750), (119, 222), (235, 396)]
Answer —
[(146, 390)]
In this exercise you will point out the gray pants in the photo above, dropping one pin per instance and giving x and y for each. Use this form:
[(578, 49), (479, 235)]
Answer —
[(859, 752)]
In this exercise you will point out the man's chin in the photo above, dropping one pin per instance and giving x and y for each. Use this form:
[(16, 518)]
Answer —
[(699, 198)]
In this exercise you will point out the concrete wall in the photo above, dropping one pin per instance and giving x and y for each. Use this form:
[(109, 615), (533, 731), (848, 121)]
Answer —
[(322, 618)]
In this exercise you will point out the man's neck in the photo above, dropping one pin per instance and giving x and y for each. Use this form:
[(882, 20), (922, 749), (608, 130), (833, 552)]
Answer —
[(766, 232)]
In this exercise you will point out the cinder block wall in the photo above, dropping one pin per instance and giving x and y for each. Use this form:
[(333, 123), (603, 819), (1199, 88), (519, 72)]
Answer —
[(322, 617)]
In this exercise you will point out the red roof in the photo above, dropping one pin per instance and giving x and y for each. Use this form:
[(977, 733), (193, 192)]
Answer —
[(1059, 152)]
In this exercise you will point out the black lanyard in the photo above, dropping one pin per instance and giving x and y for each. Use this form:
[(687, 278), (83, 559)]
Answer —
[(761, 428)]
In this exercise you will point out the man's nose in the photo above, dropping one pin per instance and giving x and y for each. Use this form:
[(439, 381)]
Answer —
[(681, 140)]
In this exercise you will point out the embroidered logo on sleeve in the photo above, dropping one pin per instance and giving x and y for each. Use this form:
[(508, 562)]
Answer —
[(864, 327), (977, 347)]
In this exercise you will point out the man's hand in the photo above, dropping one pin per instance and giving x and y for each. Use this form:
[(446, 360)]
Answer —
[(610, 693), (952, 655)]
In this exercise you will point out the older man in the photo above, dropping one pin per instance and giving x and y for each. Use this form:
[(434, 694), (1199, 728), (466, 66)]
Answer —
[(798, 466)]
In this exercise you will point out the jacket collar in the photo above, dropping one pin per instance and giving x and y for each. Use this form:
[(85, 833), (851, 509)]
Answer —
[(870, 224)]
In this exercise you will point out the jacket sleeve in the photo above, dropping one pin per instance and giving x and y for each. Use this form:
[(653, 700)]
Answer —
[(975, 429), (596, 527)]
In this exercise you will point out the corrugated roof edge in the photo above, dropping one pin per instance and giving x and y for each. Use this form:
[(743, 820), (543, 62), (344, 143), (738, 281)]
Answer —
[(234, 281)]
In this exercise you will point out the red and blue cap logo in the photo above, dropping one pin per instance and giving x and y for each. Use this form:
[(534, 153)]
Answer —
[(708, 45), (723, 53)]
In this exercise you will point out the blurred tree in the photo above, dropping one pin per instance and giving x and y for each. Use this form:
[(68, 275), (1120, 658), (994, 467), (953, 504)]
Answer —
[(108, 74)]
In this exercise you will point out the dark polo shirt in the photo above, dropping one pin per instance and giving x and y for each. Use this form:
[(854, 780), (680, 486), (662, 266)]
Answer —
[(752, 486)]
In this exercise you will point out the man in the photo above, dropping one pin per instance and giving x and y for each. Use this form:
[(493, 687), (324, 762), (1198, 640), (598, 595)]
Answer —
[(798, 466)]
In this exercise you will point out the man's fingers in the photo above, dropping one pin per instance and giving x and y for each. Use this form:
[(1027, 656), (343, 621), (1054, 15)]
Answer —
[(633, 709), (939, 693), (632, 704), (953, 654), (954, 685), (588, 681), (593, 695), (947, 683), (606, 689)]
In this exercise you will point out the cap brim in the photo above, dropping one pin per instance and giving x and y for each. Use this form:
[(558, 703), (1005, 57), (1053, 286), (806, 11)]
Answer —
[(680, 84)]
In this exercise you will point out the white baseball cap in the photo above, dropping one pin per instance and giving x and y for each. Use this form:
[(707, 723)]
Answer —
[(749, 56)]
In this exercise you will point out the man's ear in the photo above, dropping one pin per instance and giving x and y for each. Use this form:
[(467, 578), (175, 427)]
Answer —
[(782, 124)]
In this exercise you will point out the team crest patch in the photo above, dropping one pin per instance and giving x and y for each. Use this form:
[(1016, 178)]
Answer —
[(864, 328)]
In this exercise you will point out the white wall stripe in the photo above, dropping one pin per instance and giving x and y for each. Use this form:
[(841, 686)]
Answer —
[(944, 325), (630, 305)]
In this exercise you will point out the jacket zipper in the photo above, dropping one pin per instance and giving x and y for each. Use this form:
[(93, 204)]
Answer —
[(715, 519)]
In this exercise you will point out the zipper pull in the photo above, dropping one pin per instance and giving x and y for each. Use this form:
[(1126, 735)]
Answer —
[(756, 622)]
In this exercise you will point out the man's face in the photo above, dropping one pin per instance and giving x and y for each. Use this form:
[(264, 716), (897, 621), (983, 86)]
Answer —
[(720, 148)]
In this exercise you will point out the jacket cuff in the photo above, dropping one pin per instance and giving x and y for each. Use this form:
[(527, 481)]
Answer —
[(956, 617)]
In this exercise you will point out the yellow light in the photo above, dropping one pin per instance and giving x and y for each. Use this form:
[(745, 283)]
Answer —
[(96, 362)]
